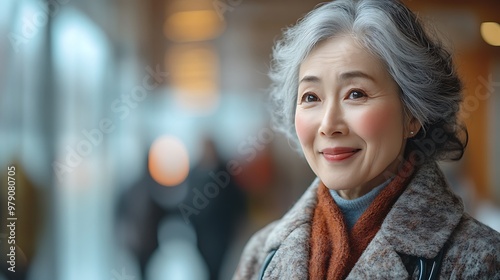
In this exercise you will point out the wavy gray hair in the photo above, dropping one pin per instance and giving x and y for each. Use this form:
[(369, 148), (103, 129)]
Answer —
[(430, 89)]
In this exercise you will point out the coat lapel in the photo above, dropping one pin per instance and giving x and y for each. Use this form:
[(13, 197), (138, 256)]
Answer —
[(291, 258), (379, 261)]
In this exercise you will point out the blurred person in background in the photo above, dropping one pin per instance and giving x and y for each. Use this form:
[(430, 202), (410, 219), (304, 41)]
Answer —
[(373, 100), (138, 217), (217, 221), (212, 213)]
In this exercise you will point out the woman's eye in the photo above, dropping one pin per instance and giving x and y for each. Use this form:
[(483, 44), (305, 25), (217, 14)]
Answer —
[(309, 97), (355, 94)]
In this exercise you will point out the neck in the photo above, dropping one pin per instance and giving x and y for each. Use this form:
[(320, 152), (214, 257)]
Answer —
[(365, 188)]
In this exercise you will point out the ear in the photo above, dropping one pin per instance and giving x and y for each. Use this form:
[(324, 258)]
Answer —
[(412, 127)]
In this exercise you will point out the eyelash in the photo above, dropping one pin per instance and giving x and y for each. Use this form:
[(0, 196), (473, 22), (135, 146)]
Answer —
[(363, 94), (308, 94)]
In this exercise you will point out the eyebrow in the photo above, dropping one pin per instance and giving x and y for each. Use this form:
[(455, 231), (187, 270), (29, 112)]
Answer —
[(310, 79), (343, 76), (355, 74)]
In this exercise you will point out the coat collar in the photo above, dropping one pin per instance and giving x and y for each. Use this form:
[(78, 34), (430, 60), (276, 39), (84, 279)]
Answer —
[(419, 224), (290, 239), (299, 215), (424, 216)]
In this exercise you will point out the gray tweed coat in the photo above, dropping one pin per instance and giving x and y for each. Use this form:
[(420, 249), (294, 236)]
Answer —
[(425, 218)]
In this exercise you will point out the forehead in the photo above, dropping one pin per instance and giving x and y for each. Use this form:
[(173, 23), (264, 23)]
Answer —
[(340, 54)]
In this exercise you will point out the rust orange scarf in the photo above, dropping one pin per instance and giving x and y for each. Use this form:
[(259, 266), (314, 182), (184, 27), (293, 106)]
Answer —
[(335, 250)]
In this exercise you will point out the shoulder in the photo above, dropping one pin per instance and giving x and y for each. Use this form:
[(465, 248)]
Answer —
[(291, 231), (253, 255), (474, 251), (258, 240)]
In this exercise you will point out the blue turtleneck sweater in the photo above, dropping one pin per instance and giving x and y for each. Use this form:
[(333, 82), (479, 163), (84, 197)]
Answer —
[(353, 209)]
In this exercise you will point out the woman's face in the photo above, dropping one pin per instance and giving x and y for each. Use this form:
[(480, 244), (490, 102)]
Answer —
[(349, 118)]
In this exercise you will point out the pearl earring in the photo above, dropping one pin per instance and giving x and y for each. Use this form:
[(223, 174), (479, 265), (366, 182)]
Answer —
[(411, 132)]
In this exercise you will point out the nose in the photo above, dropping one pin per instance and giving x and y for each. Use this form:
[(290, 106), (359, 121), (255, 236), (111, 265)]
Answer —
[(333, 122)]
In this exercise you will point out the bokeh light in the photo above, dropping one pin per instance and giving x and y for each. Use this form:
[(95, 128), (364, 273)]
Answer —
[(194, 76), (490, 31), (168, 161), (191, 26)]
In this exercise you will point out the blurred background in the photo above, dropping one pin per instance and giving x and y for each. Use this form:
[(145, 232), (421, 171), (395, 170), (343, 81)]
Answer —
[(141, 145)]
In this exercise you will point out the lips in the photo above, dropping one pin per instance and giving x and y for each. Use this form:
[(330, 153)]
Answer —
[(339, 153)]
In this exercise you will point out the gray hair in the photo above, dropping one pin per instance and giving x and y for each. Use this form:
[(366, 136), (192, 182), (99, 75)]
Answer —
[(430, 89)]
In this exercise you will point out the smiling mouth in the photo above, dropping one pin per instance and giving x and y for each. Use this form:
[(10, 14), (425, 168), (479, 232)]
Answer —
[(338, 154)]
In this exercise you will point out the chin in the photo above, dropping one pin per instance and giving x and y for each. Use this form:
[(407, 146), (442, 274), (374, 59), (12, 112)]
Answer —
[(337, 185)]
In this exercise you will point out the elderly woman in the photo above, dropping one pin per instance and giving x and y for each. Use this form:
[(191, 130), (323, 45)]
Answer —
[(373, 101)]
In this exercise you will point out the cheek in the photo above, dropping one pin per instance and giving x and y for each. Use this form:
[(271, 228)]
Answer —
[(378, 123), (303, 128)]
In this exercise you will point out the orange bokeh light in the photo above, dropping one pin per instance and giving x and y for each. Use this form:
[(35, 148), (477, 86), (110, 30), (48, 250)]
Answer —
[(168, 161), (193, 26), (490, 31)]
